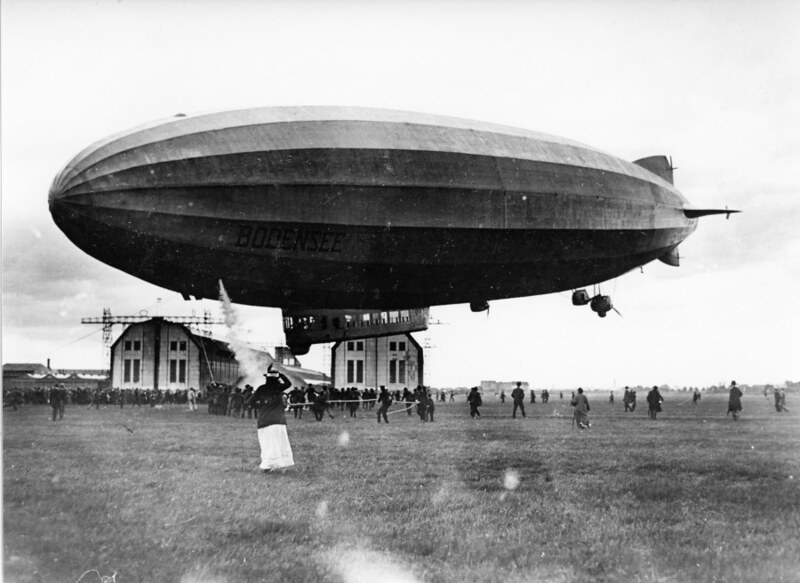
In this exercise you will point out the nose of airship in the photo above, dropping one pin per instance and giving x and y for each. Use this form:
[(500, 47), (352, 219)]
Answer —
[(58, 202)]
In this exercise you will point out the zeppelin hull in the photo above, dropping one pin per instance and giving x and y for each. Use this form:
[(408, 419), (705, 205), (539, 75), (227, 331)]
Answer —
[(350, 266), (340, 208)]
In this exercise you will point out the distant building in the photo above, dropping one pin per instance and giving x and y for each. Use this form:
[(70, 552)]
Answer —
[(391, 361), (27, 376), (489, 387), (21, 369)]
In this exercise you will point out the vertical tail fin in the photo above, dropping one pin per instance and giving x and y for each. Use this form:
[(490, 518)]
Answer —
[(658, 165)]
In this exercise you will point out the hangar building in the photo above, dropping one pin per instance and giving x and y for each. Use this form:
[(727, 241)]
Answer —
[(392, 361), (159, 354)]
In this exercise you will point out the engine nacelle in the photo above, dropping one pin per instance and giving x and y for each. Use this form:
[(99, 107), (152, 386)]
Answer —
[(602, 305), (580, 297), (481, 306)]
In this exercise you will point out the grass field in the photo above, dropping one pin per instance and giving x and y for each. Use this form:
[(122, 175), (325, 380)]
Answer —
[(692, 496)]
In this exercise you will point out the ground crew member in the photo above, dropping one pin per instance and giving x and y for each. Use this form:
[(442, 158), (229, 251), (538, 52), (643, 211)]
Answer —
[(518, 396), (385, 401), (57, 399), (654, 401), (581, 415), (474, 399), (734, 401)]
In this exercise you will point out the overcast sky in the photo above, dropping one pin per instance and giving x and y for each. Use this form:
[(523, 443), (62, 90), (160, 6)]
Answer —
[(716, 85)]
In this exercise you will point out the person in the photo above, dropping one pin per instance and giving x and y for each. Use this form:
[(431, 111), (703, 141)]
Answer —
[(611, 397), (96, 396), (581, 414), (318, 402), (734, 401), (323, 401), (354, 401), (474, 399), (276, 451), (422, 403), (385, 400), (518, 396), (695, 396), (630, 400), (235, 403), (780, 400), (430, 406), (246, 394), (654, 401), (56, 399), (502, 396), (297, 398), (191, 397), (408, 399)]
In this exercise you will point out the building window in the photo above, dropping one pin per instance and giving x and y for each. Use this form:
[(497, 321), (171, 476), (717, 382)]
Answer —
[(127, 345), (401, 372), (126, 374), (359, 371), (137, 344), (351, 345), (173, 370), (392, 372), (350, 371), (360, 346), (182, 370), (392, 346), (173, 345), (401, 346), (182, 346), (136, 369)]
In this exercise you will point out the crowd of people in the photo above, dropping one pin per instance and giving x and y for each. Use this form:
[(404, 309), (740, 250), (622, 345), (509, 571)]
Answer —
[(322, 401), (95, 397)]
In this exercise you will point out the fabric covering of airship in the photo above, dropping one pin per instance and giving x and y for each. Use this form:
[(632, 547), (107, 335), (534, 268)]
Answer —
[(325, 207)]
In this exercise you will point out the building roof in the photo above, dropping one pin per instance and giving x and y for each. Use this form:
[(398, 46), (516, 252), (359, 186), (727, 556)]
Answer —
[(24, 368)]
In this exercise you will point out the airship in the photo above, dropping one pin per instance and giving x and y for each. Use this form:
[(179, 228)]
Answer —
[(354, 221)]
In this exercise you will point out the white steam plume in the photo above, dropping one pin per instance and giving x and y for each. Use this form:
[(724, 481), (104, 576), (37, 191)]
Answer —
[(252, 364)]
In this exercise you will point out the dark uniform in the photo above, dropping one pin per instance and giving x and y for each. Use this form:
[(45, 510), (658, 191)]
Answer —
[(734, 401), (474, 399), (654, 401), (58, 398), (297, 399), (518, 395), (385, 400), (430, 406)]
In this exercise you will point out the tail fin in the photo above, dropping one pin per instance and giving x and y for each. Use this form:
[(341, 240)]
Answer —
[(658, 165)]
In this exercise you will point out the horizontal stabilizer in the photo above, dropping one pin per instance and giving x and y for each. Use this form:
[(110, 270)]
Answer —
[(658, 165), (693, 213)]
